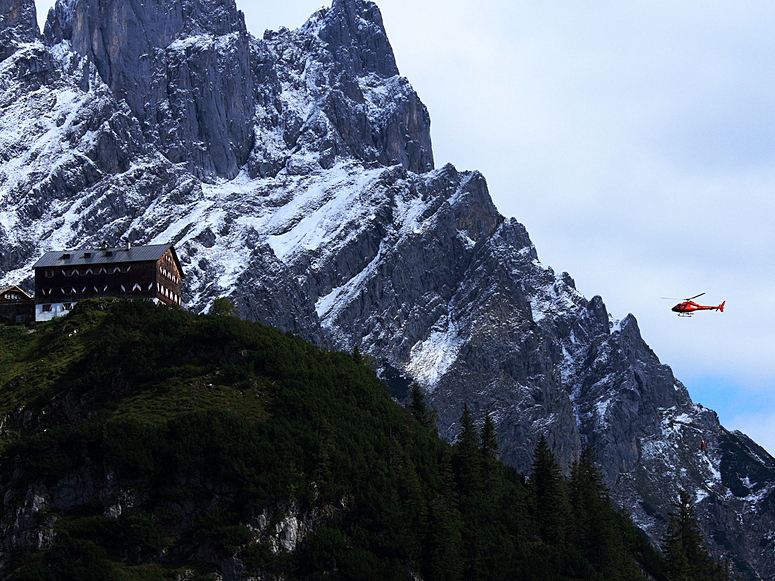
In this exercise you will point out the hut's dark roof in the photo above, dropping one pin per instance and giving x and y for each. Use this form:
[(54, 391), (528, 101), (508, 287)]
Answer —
[(90, 256)]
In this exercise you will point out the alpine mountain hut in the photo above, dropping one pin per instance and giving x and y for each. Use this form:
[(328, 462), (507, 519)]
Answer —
[(64, 277)]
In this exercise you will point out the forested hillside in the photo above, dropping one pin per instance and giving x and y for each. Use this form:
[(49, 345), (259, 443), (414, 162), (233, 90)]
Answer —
[(143, 442)]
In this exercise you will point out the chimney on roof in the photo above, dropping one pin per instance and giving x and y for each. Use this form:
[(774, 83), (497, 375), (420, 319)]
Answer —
[(128, 244), (104, 245)]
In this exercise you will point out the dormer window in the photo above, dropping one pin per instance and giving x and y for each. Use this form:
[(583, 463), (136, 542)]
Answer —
[(87, 254), (66, 256), (108, 253)]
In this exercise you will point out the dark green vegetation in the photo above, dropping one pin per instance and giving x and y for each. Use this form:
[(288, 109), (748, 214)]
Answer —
[(687, 559), (146, 443)]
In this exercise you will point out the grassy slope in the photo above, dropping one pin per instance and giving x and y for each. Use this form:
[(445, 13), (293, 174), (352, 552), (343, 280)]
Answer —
[(164, 442)]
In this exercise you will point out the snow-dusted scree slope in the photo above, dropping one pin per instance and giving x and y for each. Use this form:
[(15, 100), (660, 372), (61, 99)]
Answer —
[(295, 175)]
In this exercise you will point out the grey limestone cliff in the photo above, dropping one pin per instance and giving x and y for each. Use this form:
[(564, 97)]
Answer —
[(18, 25), (183, 68), (332, 89)]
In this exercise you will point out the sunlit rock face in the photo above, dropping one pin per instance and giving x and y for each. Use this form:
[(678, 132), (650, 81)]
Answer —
[(295, 175)]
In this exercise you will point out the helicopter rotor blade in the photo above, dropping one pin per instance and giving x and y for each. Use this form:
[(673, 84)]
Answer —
[(694, 297)]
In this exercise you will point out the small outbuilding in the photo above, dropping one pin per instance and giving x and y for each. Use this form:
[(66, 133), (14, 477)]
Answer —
[(16, 306), (64, 277)]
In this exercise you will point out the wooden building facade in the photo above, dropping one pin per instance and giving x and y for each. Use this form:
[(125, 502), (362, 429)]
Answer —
[(64, 277), (16, 306)]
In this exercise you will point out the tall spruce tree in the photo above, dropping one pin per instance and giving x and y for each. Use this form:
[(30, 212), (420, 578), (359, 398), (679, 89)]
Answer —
[(470, 479), (547, 484), (467, 457), (596, 526), (488, 446), (419, 408), (445, 543), (489, 441), (687, 557)]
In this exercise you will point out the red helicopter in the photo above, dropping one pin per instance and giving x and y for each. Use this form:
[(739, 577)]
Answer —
[(688, 306)]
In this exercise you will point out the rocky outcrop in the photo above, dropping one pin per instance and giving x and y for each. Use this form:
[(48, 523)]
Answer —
[(331, 90), (69, 147), (210, 97), (18, 25), (183, 69)]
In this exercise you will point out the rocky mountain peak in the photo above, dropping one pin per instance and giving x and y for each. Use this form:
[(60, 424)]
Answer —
[(183, 68), (331, 91), (354, 32), (18, 24)]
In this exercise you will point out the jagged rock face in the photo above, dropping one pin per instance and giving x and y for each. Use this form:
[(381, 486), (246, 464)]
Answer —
[(193, 78), (18, 25), (620, 388), (330, 90), (69, 148), (183, 68), (332, 223), (356, 36)]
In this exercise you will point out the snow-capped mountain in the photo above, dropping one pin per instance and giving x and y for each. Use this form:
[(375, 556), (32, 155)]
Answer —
[(295, 175)]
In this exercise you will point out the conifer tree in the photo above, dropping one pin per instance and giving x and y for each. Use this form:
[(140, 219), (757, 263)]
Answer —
[(550, 501), (595, 525), (420, 409), (445, 560), (687, 558), (468, 469), (468, 458), (488, 446), (489, 441)]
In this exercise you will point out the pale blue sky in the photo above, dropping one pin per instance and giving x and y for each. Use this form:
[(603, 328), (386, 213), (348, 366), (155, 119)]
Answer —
[(635, 141)]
